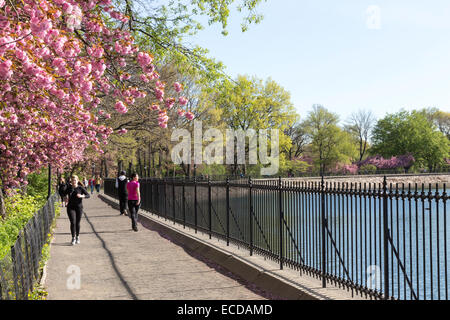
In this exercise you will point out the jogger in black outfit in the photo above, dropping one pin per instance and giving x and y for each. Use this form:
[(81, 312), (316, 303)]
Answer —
[(75, 207), (62, 186), (121, 185)]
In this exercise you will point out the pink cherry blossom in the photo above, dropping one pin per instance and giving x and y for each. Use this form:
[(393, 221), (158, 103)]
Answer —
[(182, 101), (169, 103), (178, 87), (51, 81), (189, 115), (120, 107)]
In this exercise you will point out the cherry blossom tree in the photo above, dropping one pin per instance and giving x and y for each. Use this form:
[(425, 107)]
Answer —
[(58, 60)]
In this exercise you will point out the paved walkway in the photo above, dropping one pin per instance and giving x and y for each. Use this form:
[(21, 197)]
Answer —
[(114, 262)]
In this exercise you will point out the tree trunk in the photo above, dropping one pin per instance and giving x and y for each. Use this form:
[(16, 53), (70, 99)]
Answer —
[(2, 205), (106, 167), (139, 162)]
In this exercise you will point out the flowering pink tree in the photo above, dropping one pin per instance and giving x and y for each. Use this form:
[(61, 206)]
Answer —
[(345, 169), (402, 161), (58, 60)]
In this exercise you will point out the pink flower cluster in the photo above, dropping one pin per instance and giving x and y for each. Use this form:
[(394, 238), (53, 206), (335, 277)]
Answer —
[(178, 87), (162, 119), (50, 79), (182, 101), (402, 161), (189, 115), (5, 70), (345, 169), (120, 107), (154, 107), (144, 59), (170, 103)]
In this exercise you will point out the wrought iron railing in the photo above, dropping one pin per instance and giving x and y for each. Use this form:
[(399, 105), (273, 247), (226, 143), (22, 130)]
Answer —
[(19, 269), (381, 241)]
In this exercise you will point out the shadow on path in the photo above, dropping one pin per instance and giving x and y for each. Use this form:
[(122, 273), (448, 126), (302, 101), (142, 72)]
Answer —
[(111, 257), (253, 288), (218, 268)]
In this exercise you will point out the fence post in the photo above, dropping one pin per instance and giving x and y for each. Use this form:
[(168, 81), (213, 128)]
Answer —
[(385, 238), (228, 211), (195, 203), (280, 193), (324, 226), (173, 199), (184, 205), (28, 263), (49, 181), (250, 214), (151, 196), (209, 207), (15, 273)]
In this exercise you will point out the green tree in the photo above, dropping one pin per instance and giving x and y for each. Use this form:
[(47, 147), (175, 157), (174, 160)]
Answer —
[(329, 143), (440, 119), (360, 125), (299, 140), (164, 26), (410, 132), (250, 103)]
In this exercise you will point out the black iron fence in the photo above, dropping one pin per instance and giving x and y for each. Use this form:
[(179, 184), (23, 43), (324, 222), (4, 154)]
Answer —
[(378, 240), (19, 269)]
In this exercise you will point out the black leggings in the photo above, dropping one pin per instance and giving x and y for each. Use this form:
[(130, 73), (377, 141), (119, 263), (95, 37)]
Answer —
[(74, 214), (123, 204), (133, 207)]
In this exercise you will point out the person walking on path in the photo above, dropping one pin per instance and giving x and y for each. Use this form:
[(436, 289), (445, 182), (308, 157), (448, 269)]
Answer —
[(76, 193), (62, 186), (134, 199), (91, 184), (121, 185), (98, 182), (85, 183)]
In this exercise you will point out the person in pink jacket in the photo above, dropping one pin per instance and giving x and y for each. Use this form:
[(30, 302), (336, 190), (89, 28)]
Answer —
[(134, 199)]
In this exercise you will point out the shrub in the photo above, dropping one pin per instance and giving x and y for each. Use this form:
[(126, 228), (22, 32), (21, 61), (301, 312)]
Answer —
[(19, 209), (38, 185), (368, 169)]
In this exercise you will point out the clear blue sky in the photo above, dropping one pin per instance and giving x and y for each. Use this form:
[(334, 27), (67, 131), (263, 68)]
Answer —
[(327, 52)]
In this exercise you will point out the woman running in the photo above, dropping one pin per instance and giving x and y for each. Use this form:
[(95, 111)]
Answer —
[(75, 207), (134, 199)]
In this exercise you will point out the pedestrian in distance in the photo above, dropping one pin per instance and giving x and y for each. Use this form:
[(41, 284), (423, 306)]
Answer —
[(62, 186), (98, 183), (91, 184), (121, 185), (76, 193), (85, 183), (134, 200)]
